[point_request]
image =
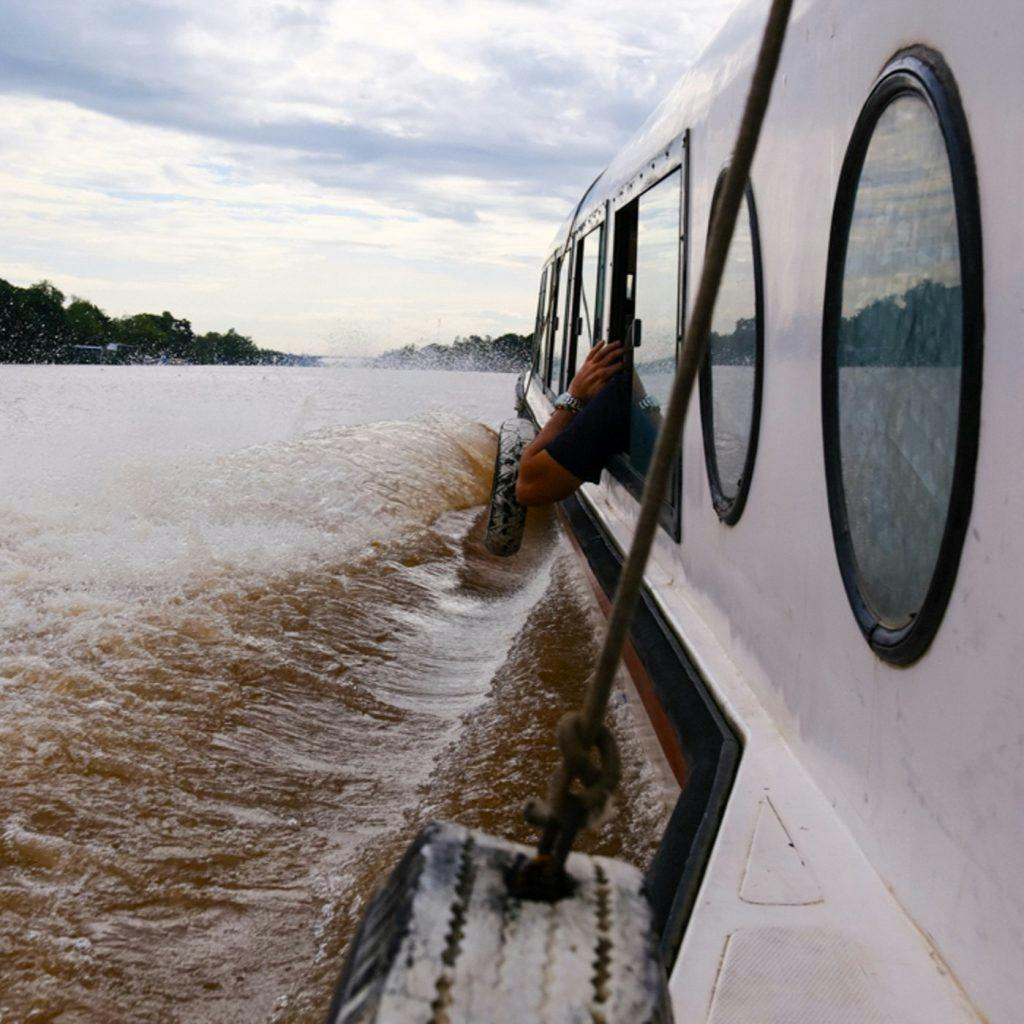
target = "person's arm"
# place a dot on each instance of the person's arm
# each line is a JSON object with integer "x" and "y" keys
{"x": 541, "y": 479}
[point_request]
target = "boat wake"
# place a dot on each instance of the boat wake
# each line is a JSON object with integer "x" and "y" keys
{"x": 224, "y": 718}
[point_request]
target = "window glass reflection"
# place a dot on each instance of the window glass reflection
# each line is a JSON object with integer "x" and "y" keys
{"x": 732, "y": 360}
{"x": 545, "y": 322}
{"x": 899, "y": 353}
{"x": 540, "y": 321}
{"x": 558, "y": 326}
{"x": 589, "y": 305}
{"x": 656, "y": 308}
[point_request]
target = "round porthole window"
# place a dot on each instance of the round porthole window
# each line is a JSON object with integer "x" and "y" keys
{"x": 730, "y": 379}
{"x": 901, "y": 366}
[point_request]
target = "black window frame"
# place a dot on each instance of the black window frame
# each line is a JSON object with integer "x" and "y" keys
{"x": 544, "y": 327}
{"x": 728, "y": 509}
{"x": 539, "y": 325}
{"x": 922, "y": 72}
{"x": 577, "y": 282}
{"x": 557, "y": 320}
{"x": 620, "y": 317}
{"x": 551, "y": 324}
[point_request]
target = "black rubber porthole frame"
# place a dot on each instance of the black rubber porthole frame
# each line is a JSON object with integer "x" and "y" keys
{"x": 728, "y": 509}
{"x": 921, "y": 72}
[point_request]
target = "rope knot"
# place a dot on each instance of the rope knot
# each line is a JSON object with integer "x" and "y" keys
{"x": 579, "y": 795}
{"x": 598, "y": 779}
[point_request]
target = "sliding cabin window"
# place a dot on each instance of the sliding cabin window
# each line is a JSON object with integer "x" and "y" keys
{"x": 544, "y": 322}
{"x": 647, "y": 314}
{"x": 558, "y": 332}
{"x": 901, "y": 370}
{"x": 731, "y": 375}
{"x": 540, "y": 324}
{"x": 588, "y": 297}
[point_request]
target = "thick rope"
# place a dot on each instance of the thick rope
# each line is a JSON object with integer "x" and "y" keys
{"x": 564, "y": 817}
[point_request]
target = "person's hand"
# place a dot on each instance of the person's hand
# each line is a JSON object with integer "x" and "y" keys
{"x": 603, "y": 361}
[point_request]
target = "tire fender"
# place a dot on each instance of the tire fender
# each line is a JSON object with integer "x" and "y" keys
{"x": 506, "y": 518}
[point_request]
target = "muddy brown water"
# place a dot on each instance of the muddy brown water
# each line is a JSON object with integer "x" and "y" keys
{"x": 200, "y": 796}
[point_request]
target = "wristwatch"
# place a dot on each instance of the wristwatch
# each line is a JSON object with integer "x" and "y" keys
{"x": 569, "y": 402}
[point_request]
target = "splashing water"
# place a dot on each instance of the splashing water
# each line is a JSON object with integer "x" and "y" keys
{"x": 235, "y": 681}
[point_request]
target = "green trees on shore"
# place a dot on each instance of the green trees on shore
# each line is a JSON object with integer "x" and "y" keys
{"x": 509, "y": 353}
{"x": 38, "y": 326}
{"x": 31, "y": 320}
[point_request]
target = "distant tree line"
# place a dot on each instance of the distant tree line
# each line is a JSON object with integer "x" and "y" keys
{"x": 508, "y": 353}
{"x": 37, "y": 325}
{"x": 737, "y": 348}
{"x": 921, "y": 327}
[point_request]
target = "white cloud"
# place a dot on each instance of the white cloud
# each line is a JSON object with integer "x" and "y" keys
{"x": 322, "y": 175}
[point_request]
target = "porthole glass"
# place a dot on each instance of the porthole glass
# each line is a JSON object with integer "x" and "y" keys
{"x": 902, "y": 355}
{"x": 730, "y": 383}
{"x": 899, "y": 359}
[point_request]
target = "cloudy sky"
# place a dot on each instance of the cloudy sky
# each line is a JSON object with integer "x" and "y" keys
{"x": 334, "y": 176}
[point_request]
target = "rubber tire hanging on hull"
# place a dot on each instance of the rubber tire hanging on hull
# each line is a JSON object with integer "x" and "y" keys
{"x": 445, "y": 942}
{"x": 507, "y": 518}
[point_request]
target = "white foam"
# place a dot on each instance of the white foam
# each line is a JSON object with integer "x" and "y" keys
{"x": 133, "y": 484}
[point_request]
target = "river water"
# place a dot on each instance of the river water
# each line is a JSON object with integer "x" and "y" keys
{"x": 249, "y": 642}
